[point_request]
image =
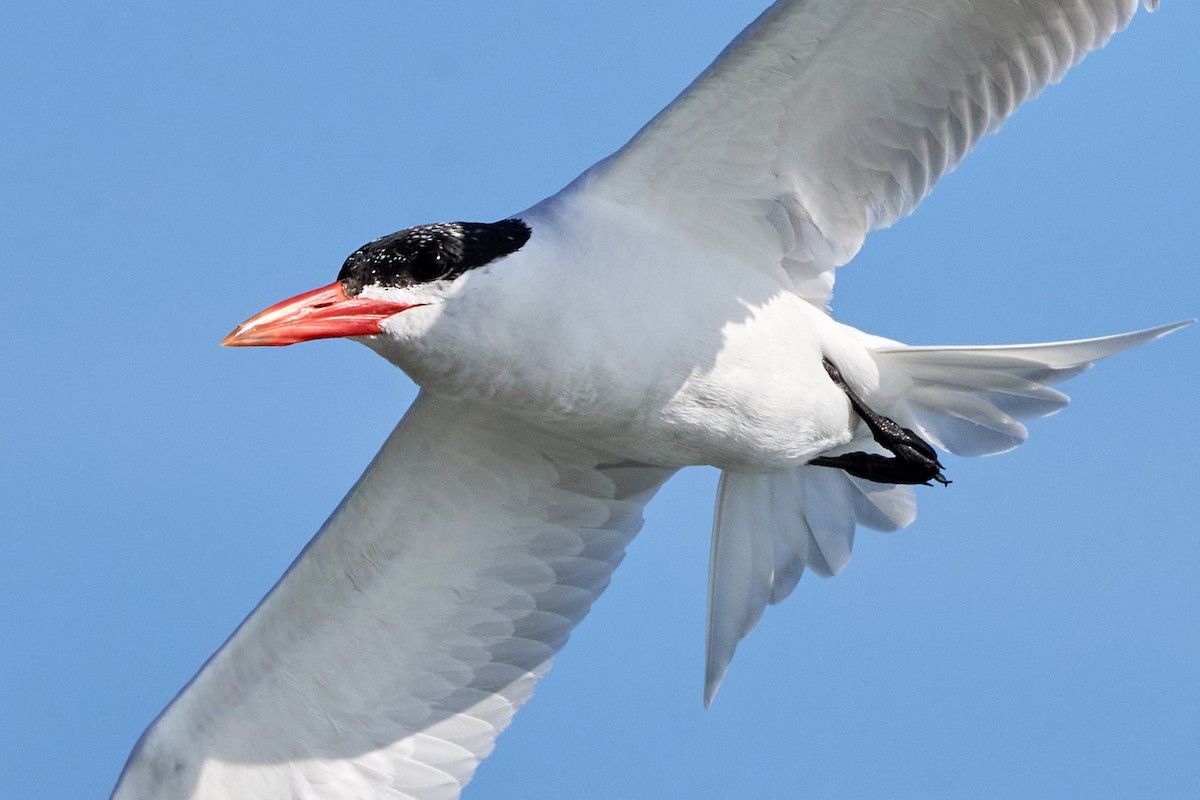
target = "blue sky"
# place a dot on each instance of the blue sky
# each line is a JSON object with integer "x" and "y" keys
{"x": 168, "y": 169}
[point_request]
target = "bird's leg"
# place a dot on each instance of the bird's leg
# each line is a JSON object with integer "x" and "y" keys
{"x": 913, "y": 459}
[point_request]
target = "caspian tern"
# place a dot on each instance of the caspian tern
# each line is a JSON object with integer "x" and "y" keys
{"x": 667, "y": 308}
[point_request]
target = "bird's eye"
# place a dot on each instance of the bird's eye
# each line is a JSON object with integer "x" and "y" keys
{"x": 429, "y": 265}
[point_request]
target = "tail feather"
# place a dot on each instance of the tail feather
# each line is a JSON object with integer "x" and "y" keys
{"x": 770, "y": 527}
{"x": 970, "y": 400}
{"x": 1019, "y": 397}
{"x": 1054, "y": 355}
{"x": 965, "y": 423}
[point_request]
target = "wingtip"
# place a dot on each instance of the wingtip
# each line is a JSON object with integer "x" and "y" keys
{"x": 1160, "y": 331}
{"x": 713, "y": 675}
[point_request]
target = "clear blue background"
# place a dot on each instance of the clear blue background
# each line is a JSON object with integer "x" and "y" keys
{"x": 168, "y": 169}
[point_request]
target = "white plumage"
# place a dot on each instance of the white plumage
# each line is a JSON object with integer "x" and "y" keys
{"x": 669, "y": 308}
{"x": 399, "y": 644}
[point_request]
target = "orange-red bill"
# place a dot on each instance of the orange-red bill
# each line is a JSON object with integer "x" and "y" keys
{"x": 323, "y": 313}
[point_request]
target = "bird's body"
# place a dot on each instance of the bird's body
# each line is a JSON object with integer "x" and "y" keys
{"x": 668, "y": 308}
{"x": 545, "y": 335}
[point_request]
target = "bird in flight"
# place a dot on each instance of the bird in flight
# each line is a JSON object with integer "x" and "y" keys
{"x": 668, "y": 308}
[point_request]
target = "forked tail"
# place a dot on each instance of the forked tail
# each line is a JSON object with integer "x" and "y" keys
{"x": 969, "y": 401}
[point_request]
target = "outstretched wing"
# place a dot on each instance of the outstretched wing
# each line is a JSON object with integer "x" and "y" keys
{"x": 410, "y": 630}
{"x": 826, "y": 119}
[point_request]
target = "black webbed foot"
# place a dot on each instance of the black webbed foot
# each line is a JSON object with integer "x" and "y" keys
{"x": 913, "y": 459}
{"x": 884, "y": 469}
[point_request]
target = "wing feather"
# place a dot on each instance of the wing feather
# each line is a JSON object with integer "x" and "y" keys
{"x": 413, "y": 626}
{"x": 826, "y": 119}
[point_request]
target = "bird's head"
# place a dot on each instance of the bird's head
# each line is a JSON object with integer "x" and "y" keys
{"x": 413, "y": 268}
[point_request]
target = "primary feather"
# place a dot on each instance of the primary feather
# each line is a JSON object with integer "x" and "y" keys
{"x": 827, "y": 119}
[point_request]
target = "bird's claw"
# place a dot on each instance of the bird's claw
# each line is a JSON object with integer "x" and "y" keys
{"x": 913, "y": 460}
